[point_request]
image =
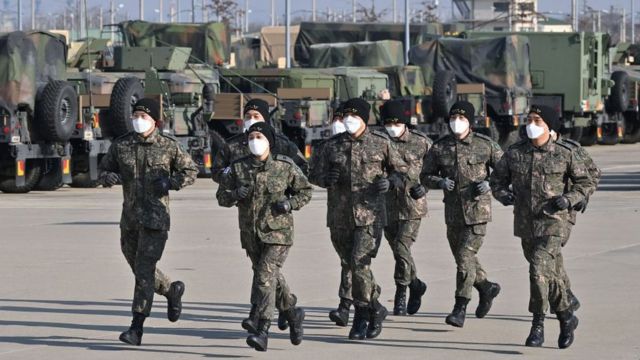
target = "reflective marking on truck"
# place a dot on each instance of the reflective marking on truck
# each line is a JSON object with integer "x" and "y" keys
{"x": 66, "y": 166}
{"x": 20, "y": 165}
{"x": 207, "y": 160}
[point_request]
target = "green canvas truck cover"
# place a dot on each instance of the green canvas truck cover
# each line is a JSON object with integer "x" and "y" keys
{"x": 363, "y": 53}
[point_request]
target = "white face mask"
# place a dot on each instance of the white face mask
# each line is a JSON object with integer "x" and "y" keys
{"x": 534, "y": 131}
{"x": 141, "y": 126}
{"x": 352, "y": 124}
{"x": 395, "y": 131}
{"x": 338, "y": 127}
{"x": 258, "y": 146}
{"x": 249, "y": 122}
{"x": 459, "y": 126}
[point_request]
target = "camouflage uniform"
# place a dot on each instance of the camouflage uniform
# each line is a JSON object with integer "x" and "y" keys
{"x": 317, "y": 171}
{"x": 236, "y": 147}
{"x": 403, "y": 212}
{"x": 265, "y": 235}
{"x": 537, "y": 176}
{"x": 145, "y": 218}
{"x": 466, "y": 162}
{"x": 358, "y": 226}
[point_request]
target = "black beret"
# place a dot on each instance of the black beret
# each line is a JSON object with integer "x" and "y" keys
{"x": 359, "y": 107}
{"x": 548, "y": 115}
{"x": 149, "y": 106}
{"x": 258, "y": 105}
{"x": 394, "y": 111}
{"x": 463, "y": 108}
{"x": 266, "y": 130}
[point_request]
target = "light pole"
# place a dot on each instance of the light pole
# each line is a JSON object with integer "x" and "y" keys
{"x": 287, "y": 40}
{"x": 406, "y": 32}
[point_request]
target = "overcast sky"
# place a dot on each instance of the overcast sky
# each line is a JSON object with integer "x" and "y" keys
{"x": 260, "y": 9}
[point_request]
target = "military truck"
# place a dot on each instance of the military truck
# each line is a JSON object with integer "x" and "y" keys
{"x": 500, "y": 63}
{"x": 625, "y": 93}
{"x": 570, "y": 73}
{"x": 38, "y": 110}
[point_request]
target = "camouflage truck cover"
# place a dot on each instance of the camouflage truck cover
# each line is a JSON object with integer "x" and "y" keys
{"x": 29, "y": 60}
{"x": 500, "y": 63}
{"x": 272, "y": 42}
{"x": 363, "y": 53}
{"x": 324, "y": 33}
{"x": 210, "y": 42}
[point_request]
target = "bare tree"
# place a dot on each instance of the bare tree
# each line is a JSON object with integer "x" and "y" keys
{"x": 225, "y": 10}
{"x": 430, "y": 11}
{"x": 369, "y": 14}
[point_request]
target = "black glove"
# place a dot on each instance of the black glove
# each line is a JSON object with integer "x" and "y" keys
{"x": 339, "y": 159}
{"x": 581, "y": 206}
{"x": 417, "y": 191}
{"x": 109, "y": 179}
{"x": 382, "y": 185}
{"x": 561, "y": 203}
{"x": 507, "y": 199}
{"x": 483, "y": 187}
{"x": 241, "y": 193}
{"x": 282, "y": 207}
{"x": 161, "y": 186}
{"x": 332, "y": 177}
{"x": 447, "y": 184}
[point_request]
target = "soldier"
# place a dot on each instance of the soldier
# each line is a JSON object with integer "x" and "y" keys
{"x": 258, "y": 185}
{"x": 405, "y": 208}
{"x": 317, "y": 173}
{"x": 361, "y": 166}
{"x": 459, "y": 164}
{"x": 256, "y": 110}
{"x": 149, "y": 163}
{"x": 547, "y": 179}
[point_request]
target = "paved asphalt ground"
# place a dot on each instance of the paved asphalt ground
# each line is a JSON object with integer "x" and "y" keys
{"x": 66, "y": 288}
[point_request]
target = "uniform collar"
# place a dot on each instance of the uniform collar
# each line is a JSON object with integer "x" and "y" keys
{"x": 149, "y": 139}
{"x": 467, "y": 140}
{"x": 266, "y": 165}
{"x": 547, "y": 147}
{"x": 405, "y": 135}
{"x": 362, "y": 136}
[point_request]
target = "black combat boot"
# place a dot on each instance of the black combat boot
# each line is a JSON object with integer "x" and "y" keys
{"x": 295, "y": 317}
{"x": 377, "y": 314}
{"x": 574, "y": 304}
{"x": 260, "y": 339}
{"x": 133, "y": 336}
{"x": 400, "y": 301}
{"x": 251, "y": 323}
{"x": 341, "y": 315}
{"x": 359, "y": 325}
{"x": 456, "y": 318}
{"x": 282, "y": 321}
{"x": 568, "y": 324}
{"x": 488, "y": 291}
{"x": 536, "y": 335}
{"x": 416, "y": 289}
{"x": 174, "y": 300}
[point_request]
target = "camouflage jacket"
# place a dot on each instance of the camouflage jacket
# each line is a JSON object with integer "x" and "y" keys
{"x": 354, "y": 201}
{"x": 269, "y": 182}
{"x": 237, "y": 147}
{"x": 466, "y": 162}
{"x": 593, "y": 170}
{"x": 140, "y": 161}
{"x": 413, "y": 147}
{"x": 537, "y": 176}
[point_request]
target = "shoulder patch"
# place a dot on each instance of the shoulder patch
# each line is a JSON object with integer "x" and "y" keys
{"x": 226, "y": 170}
{"x": 284, "y": 158}
{"x": 381, "y": 134}
{"x": 418, "y": 133}
{"x": 482, "y": 136}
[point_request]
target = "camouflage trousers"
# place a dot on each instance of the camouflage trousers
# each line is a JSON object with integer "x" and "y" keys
{"x": 269, "y": 289}
{"x": 361, "y": 243}
{"x": 401, "y": 235}
{"x": 143, "y": 248}
{"x": 547, "y": 287}
{"x": 465, "y": 242}
{"x": 343, "y": 247}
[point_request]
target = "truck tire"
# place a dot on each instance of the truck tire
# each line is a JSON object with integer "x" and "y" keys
{"x": 444, "y": 93}
{"x": 619, "y": 98}
{"x": 631, "y": 127}
{"x": 83, "y": 180}
{"x": 589, "y": 136}
{"x": 56, "y": 111}
{"x": 126, "y": 92}
{"x": 575, "y": 133}
{"x": 51, "y": 178}
{"x": 33, "y": 172}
